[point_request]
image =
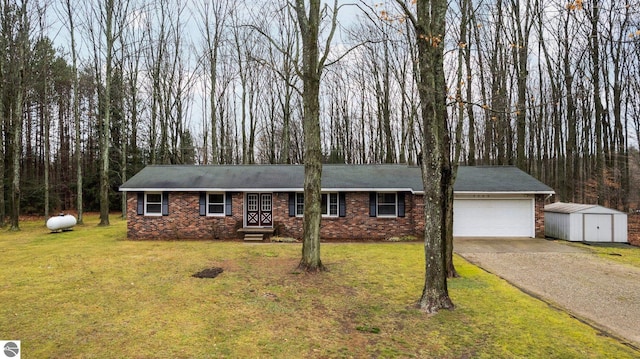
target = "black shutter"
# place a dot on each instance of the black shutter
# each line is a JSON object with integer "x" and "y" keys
{"x": 342, "y": 204}
{"x": 203, "y": 204}
{"x": 140, "y": 203}
{"x": 400, "y": 204}
{"x": 165, "y": 203}
{"x": 227, "y": 204}
{"x": 292, "y": 204}
{"x": 372, "y": 204}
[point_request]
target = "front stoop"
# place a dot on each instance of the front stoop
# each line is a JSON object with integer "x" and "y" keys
{"x": 255, "y": 234}
{"x": 253, "y": 237}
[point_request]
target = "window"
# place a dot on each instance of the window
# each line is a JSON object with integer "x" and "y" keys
{"x": 265, "y": 202}
{"x": 299, "y": 204}
{"x": 329, "y": 206}
{"x": 153, "y": 204}
{"x": 215, "y": 204}
{"x": 387, "y": 205}
{"x": 252, "y": 202}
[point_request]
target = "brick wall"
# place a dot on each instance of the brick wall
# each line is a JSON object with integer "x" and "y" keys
{"x": 356, "y": 225}
{"x": 540, "y": 215}
{"x": 184, "y": 220}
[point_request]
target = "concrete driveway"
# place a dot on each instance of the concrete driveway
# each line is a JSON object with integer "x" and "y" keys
{"x": 600, "y": 292}
{"x": 511, "y": 245}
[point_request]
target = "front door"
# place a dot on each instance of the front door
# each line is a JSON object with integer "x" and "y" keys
{"x": 259, "y": 209}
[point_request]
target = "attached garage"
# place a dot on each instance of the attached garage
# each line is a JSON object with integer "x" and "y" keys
{"x": 494, "y": 217}
{"x": 584, "y": 223}
{"x": 495, "y": 201}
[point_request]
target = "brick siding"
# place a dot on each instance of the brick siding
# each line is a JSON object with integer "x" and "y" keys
{"x": 633, "y": 231}
{"x": 539, "y": 215}
{"x": 185, "y": 222}
{"x": 356, "y": 224}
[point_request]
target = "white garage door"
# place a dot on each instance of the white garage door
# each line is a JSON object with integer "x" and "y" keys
{"x": 493, "y": 217}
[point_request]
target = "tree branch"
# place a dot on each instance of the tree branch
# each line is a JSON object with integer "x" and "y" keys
{"x": 408, "y": 12}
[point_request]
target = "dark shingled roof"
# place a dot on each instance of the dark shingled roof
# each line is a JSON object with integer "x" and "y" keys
{"x": 334, "y": 177}
{"x": 497, "y": 179}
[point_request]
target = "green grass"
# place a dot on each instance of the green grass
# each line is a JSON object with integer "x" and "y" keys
{"x": 621, "y": 253}
{"x": 90, "y": 293}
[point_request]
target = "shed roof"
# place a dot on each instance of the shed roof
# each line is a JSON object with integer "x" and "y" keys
{"x": 563, "y": 207}
{"x": 334, "y": 177}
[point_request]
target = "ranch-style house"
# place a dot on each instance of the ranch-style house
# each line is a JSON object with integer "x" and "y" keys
{"x": 359, "y": 202}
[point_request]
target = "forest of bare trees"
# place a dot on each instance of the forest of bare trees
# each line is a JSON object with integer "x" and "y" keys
{"x": 109, "y": 86}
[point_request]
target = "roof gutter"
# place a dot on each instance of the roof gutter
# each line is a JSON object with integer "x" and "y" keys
{"x": 497, "y": 192}
{"x": 297, "y": 189}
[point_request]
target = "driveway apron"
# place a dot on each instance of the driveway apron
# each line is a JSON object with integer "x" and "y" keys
{"x": 600, "y": 292}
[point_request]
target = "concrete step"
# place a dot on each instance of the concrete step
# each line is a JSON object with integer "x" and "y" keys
{"x": 253, "y": 237}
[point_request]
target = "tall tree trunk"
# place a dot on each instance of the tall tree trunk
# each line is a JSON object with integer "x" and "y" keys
{"x": 389, "y": 144}
{"x": 594, "y": 48}
{"x": 285, "y": 156}
{"x": 572, "y": 133}
{"x": 76, "y": 113}
{"x": 520, "y": 52}
{"x": 17, "y": 115}
{"x": 47, "y": 150}
{"x": 312, "y": 67}
{"x": 124, "y": 140}
{"x": 485, "y": 146}
{"x": 429, "y": 24}
{"x": 106, "y": 119}
{"x": 213, "y": 16}
{"x": 4, "y": 129}
{"x": 3, "y": 126}
{"x": 467, "y": 19}
{"x": 620, "y": 139}
{"x": 16, "y": 150}
{"x": 46, "y": 119}
{"x": 495, "y": 130}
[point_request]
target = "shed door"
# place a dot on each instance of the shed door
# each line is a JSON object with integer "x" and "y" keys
{"x": 598, "y": 227}
{"x": 493, "y": 217}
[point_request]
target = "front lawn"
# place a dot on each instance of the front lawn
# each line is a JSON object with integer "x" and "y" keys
{"x": 90, "y": 293}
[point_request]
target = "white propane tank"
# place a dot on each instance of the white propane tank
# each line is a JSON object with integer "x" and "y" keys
{"x": 61, "y": 222}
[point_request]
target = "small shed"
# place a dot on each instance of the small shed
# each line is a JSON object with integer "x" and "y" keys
{"x": 584, "y": 223}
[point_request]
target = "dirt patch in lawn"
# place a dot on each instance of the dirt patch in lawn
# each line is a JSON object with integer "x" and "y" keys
{"x": 209, "y": 273}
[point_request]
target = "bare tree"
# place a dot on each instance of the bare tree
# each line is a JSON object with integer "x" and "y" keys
{"x": 212, "y": 26}
{"x": 16, "y": 31}
{"x": 309, "y": 19}
{"x": 70, "y": 17}
{"x": 429, "y": 25}
{"x": 45, "y": 113}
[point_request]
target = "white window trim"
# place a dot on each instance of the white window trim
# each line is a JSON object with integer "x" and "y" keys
{"x": 224, "y": 205}
{"x": 296, "y": 204}
{"x": 328, "y": 208}
{"x": 146, "y": 205}
{"x": 378, "y": 205}
{"x": 329, "y": 215}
